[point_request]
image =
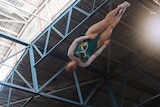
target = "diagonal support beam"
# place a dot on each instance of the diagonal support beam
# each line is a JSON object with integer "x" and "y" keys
{"x": 110, "y": 92}
{"x": 78, "y": 87}
{"x": 14, "y": 39}
{"x": 92, "y": 92}
{"x": 150, "y": 99}
{"x": 51, "y": 79}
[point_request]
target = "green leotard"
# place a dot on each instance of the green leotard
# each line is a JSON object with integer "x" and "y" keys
{"x": 85, "y": 49}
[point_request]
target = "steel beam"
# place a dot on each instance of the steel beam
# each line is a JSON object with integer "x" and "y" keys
{"x": 51, "y": 79}
{"x": 60, "y": 99}
{"x": 92, "y": 92}
{"x": 10, "y": 92}
{"x": 24, "y": 53}
{"x": 68, "y": 21}
{"x": 54, "y": 91}
{"x": 13, "y": 55}
{"x": 28, "y": 100}
{"x": 17, "y": 87}
{"x": 47, "y": 40}
{"x": 124, "y": 89}
{"x": 25, "y": 81}
{"x": 128, "y": 65}
{"x": 11, "y": 85}
{"x": 78, "y": 87}
{"x": 150, "y": 99}
{"x": 14, "y": 39}
{"x": 111, "y": 92}
{"x": 33, "y": 69}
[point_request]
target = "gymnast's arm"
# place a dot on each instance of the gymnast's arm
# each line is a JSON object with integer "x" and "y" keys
{"x": 74, "y": 45}
{"x": 93, "y": 56}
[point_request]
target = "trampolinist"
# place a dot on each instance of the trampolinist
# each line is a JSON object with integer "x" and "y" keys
{"x": 85, "y": 49}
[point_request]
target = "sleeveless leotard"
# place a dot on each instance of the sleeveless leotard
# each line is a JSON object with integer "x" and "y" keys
{"x": 85, "y": 49}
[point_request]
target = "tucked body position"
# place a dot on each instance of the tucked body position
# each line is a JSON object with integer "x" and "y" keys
{"x": 85, "y": 49}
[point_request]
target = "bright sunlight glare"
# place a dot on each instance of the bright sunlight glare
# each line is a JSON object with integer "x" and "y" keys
{"x": 152, "y": 29}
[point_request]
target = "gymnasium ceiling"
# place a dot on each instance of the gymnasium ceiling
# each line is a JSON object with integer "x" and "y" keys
{"x": 130, "y": 62}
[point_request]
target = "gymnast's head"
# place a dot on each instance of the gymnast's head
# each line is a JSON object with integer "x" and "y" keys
{"x": 72, "y": 65}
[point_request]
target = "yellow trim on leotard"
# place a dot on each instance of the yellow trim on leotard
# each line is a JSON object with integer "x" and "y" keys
{"x": 83, "y": 51}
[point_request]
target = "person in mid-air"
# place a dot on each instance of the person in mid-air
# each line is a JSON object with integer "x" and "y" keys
{"x": 85, "y": 49}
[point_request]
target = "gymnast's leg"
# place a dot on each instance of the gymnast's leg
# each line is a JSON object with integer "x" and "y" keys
{"x": 107, "y": 32}
{"x": 99, "y": 27}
